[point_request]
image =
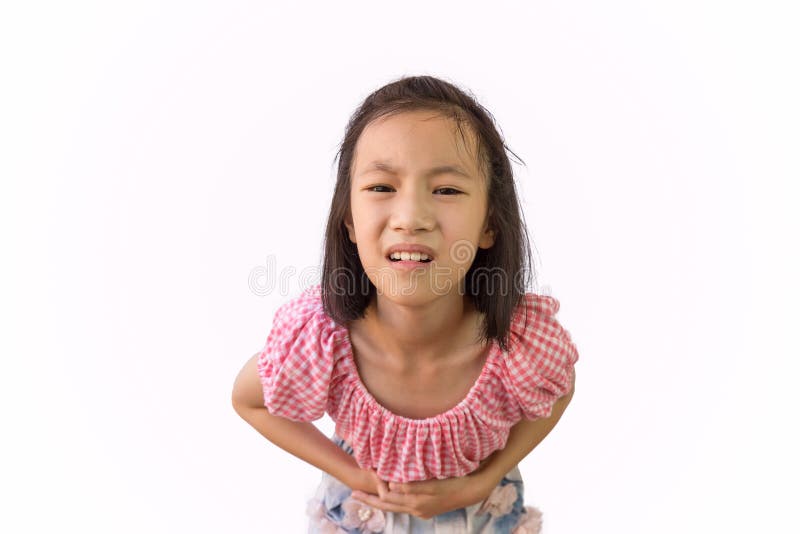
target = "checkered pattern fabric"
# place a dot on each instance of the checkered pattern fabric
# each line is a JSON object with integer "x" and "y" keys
{"x": 307, "y": 368}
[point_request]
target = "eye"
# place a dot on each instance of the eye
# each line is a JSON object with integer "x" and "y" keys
{"x": 447, "y": 191}
{"x": 452, "y": 191}
{"x": 374, "y": 187}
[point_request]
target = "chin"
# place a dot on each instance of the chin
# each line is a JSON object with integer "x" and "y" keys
{"x": 413, "y": 293}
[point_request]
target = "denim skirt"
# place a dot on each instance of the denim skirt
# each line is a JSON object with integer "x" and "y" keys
{"x": 334, "y": 511}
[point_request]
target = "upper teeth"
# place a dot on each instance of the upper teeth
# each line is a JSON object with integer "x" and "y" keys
{"x": 415, "y": 256}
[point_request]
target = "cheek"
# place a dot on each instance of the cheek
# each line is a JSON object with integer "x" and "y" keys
{"x": 367, "y": 220}
{"x": 366, "y": 230}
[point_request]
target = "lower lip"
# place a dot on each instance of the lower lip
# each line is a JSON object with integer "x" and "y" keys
{"x": 409, "y": 265}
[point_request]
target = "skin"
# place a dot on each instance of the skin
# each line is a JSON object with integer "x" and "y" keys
{"x": 423, "y": 499}
{"x": 428, "y": 498}
{"x": 408, "y": 204}
{"x": 396, "y": 200}
{"x": 397, "y": 197}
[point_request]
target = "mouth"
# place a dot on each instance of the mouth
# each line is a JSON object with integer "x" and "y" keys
{"x": 409, "y": 257}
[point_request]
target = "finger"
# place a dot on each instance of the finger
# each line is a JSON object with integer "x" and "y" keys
{"x": 406, "y": 501}
{"x": 383, "y": 489}
{"x": 375, "y": 502}
{"x": 398, "y": 488}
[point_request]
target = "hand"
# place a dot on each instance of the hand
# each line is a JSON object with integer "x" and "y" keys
{"x": 428, "y": 498}
{"x": 367, "y": 480}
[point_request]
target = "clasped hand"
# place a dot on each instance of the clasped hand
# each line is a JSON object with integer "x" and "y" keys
{"x": 426, "y": 498}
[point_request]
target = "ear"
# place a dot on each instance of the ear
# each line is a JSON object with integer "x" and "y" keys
{"x": 487, "y": 239}
{"x": 351, "y": 231}
{"x": 487, "y": 235}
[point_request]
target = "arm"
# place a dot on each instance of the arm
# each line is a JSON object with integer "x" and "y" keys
{"x": 428, "y": 498}
{"x": 522, "y": 439}
{"x": 300, "y": 439}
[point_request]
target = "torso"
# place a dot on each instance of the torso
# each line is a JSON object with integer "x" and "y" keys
{"x": 421, "y": 391}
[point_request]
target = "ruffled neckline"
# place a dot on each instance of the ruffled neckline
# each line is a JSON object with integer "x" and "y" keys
{"x": 462, "y": 406}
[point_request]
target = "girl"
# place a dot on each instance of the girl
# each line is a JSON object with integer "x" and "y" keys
{"x": 440, "y": 372}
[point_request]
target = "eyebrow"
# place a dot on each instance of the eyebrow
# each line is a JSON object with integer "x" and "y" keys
{"x": 441, "y": 169}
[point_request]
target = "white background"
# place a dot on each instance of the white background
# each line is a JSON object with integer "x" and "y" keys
{"x": 153, "y": 154}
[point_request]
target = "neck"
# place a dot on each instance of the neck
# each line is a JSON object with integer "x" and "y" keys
{"x": 425, "y": 333}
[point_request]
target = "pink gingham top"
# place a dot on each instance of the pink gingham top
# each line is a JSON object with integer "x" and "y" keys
{"x": 307, "y": 368}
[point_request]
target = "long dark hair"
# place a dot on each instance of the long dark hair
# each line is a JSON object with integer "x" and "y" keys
{"x": 499, "y": 276}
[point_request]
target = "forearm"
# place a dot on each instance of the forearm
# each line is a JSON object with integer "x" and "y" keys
{"x": 306, "y": 442}
{"x": 522, "y": 439}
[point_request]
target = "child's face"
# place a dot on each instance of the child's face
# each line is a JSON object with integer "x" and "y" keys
{"x": 398, "y": 197}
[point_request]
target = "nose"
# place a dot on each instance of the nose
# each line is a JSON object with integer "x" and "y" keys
{"x": 412, "y": 210}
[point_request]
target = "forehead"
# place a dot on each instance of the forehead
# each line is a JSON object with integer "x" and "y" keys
{"x": 419, "y": 138}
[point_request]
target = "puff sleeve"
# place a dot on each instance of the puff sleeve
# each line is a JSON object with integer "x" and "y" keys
{"x": 539, "y": 366}
{"x": 296, "y": 363}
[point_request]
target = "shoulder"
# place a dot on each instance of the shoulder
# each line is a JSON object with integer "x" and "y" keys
{"x": 307, "y": 305}
{"x": 303, "y": 315}
{"x": 299, "y": 318}
{"x": 534, "y": 317}
{"x": 538, "y": 368}
{"x": 535, "y": 330}
{"x": 296, "y": 362}
{"x": 301, "y": 333}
